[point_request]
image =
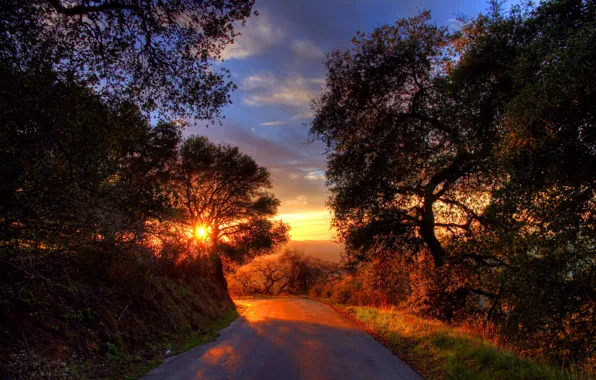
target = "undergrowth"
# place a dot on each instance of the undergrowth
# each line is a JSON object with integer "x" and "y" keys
{"x": 102, "y": 316}
{"x": 439, "y": 351}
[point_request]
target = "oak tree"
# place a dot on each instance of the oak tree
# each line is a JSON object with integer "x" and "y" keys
{"x": 155, "y": 53}
{"x": 227, "y": 194}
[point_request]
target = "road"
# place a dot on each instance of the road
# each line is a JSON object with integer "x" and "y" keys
{"x": 287, "y": 338}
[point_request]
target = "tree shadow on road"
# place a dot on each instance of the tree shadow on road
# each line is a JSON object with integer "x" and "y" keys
{"x": 286, "y": 349}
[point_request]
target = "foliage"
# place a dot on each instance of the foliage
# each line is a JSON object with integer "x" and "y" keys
{"x": 75, "y": 168}
{"x": 154, "y": 53}
{"x": 468, "y": 155}
{"x": 225, "y": 192}
{"x": 406, "y": 141}
{"x": 290, "y": 272}
{"x": 437, "y": 350}
{"x": 97, "y": 274}
{"x": 94, "y": 263}
{"x": 98, "y": 313}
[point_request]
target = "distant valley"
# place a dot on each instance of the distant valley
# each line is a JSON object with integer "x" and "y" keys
{"x": 322, "y": 249}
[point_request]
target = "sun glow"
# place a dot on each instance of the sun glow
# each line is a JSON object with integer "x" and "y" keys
{"x": 313, "y": 225}
{"x": 201, "y": 232}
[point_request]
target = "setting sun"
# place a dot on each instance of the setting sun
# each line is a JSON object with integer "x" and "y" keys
{"x": 200, "y": 232}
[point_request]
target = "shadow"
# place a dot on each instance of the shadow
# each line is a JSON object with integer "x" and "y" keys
{"x": 287, "y": 339}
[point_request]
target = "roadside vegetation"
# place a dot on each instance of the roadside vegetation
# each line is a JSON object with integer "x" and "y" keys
{"x": 439, "y": 351}
{"x": 287, "y": 273}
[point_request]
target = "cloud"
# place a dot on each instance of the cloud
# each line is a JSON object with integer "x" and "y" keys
{"x": 299, "y": 201}
{"x": 306, "y": 115}
{"x": 274, "y": 123}
{"x": 315, "y": 175}
{"x": 305, "y": 49}
{"x": 294, "y": 90}
{"x": 284, "y": 152}
{"x": 257, "y": 35}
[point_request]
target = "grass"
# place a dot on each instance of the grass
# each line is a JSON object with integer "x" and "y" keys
{"x": 439, "y": 351}
{"x": 185, "y": 343}
{"x": 211, "y": 332}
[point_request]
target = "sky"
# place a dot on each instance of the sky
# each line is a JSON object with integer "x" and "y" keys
{"x": 277, "y": 64}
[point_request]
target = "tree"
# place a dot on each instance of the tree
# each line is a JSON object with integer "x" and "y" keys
{"x": 75, "y": 169}
{"x": 290, "y": 272}
{"x": 544, "y": 216}
{"x": 83, "y": 181}
{"x": 155, "y": 53}
{"x": 226, "y": 194}
{"x": 409, "y": 138}
{"x": 475, "y": 147}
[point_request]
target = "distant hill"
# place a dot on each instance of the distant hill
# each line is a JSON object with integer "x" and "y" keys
{"x": 322, "y": 249}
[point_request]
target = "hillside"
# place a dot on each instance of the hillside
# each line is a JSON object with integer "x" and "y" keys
{"x": 65, "y": 319}
{"x": 322, "y": 249}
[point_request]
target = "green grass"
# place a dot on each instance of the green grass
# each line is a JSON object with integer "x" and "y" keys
{"x": 211, "y": 332}
{"x": 147, "y": 368}
{"x": 439, "y": 351}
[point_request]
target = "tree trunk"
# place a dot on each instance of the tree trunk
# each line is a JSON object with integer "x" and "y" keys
{"x": 218, "y": 275}
{"x": 427, "y": 230}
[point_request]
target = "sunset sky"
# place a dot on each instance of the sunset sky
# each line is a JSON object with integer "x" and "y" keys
{"x": 277, "y": 65}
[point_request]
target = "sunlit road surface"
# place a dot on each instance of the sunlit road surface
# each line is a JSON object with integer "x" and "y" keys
{"x": 288, "y": 338}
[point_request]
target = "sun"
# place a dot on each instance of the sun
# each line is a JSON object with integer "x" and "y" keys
{"x": 200, "y": 232}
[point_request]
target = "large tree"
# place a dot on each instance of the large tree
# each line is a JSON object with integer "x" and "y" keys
{"x": 157, "y": 53}
{"x": 226, "y": 195}
{"x": 75, "y": 169}
{"x": 409, "y": 137}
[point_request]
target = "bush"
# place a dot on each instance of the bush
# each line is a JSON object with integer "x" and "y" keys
{"x": 290, "y": 272}
{"x": 343, "y": 292}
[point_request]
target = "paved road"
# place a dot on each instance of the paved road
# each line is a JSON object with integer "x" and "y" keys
{"x": 288, "y": 338}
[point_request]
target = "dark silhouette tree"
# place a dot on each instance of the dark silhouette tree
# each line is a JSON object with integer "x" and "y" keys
{"x": 224, "y": 191}
{"x": 75, "y": 169}
{"x": 476, "y": 147}
{"x": 409, "y": 138}
{"x": 155, "y": 53}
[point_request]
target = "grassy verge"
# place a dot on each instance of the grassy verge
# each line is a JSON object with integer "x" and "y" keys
{"x": 184, "y": 343}
{"x": 211, "y": 332}
{"x": 438, "y": 351}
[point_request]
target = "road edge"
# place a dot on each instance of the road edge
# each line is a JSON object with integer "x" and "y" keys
{"x": 413, "y": 364}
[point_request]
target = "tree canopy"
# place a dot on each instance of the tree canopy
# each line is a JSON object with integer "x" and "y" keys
{"x": 72, "y": 165}
{"x": 154, "y": 53}
{"x": 408, "y": 136}
{"x": 224, "y": 191}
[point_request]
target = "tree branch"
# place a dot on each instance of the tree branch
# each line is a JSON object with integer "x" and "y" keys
{"x": 85, "y": 9}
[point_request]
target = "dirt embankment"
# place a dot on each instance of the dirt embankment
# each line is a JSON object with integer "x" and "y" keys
{"x": 100, "y": 316}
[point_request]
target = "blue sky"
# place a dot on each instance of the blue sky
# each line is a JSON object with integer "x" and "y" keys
{"x": 277, "y": 64}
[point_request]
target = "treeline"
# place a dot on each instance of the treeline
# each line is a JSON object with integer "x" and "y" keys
{"x": 461, "y": 170}
{"x": 287, "y": 273}
{"x": 113, "y": 227}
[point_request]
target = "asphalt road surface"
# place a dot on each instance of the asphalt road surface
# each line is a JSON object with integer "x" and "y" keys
{"x": 287, "y": 338}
